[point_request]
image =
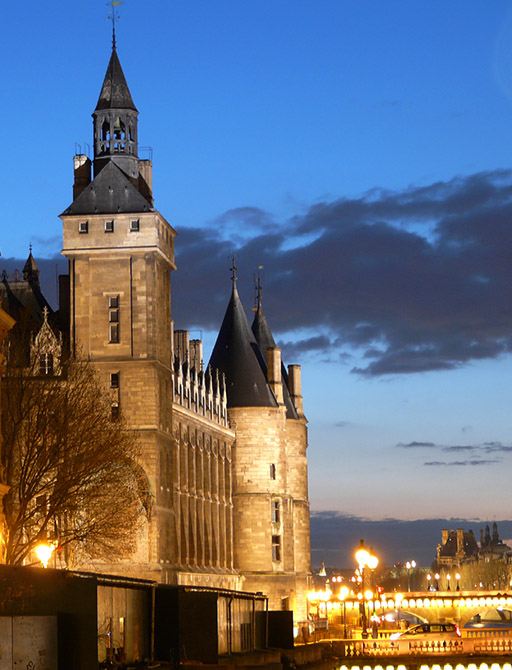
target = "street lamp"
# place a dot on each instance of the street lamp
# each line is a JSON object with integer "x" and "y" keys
{"x": 448, "y": 577}
{"x": 457, "y": 577}
{"x": 429, "y": 578}
{"x": 44, "y": 553}
{"x": 344, "y": 591}
{"x": 365, "y": 559}
{"x": 438, "y": 577}
{"x": 410, "y": 565}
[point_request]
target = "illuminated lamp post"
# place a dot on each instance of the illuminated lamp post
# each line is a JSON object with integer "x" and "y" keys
{"x": 410, "y": 565}
{"x": 457, "y": 577}
{"x": 438, "y": 577}
{"x": 44, "y": 553}
{"x": 448, "y": 577}
{"x": 398, "y": 601}
{"x": 429, "y": 578}
{"x": 344, "y": 591}
{"x": 365, "y": 559}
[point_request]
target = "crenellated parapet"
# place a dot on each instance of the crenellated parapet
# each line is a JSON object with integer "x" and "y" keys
{"x": 201, "y": 391}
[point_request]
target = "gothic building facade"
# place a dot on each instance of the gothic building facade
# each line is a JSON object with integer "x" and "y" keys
{"x": 223, "y": 445}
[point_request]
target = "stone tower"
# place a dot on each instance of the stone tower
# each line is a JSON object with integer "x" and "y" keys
{"x": 121, "y": 254}
{"x": 270, "y": 497}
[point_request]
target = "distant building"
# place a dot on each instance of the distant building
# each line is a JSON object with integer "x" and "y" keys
{"x": 459, "y": 547}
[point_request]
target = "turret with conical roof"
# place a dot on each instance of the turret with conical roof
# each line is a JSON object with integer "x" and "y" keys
{"x": 265, "y": 340}
{"x": 238, "y": 356}
{"x": 115, "y": 122}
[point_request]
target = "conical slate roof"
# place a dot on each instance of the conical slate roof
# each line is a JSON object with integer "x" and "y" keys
{"x": 236, "y": 354}
{"x": 115, "y": 93}
{"x": 265, "y": 340}
{"x": 30, "y": 269}
{"x": 111, "y": 192}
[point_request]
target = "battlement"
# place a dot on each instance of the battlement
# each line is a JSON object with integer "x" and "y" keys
{"x": 203, "y": 392}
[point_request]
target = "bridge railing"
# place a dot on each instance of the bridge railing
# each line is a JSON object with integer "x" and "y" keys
{"x": 501, "y": 645}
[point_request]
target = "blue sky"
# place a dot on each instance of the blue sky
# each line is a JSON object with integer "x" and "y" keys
{"x": 361, "y": 152}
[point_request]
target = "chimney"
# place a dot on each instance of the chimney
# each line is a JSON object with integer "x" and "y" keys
{"x": 181, "y": 345}
{"x": 196, "y": 355}
{"x": 82, "y": 172}
{"x": 146, "y": 179}
{"x": 460, "y": 541}
{"x": 295, "y": 384}
{"x": 274, "y": 373}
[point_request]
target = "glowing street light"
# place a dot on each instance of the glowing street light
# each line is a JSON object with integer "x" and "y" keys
{"x": 410, "y": 565}
{"x": 365, "y": 559}
{"x": 44, "y": 553}
{"x": 344, "y": 591}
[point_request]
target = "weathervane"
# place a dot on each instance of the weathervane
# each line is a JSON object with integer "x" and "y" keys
{"x": 233, "y": 270}
{"x": 257, "y": 288}
{"x": 113, "y": 15}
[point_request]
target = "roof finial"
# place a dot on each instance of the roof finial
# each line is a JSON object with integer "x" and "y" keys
{"x": 257, "y": 287}
{"x": 30, "y": 247}
{"x": 113, "y": 15}
{"x": 234, "y": 269}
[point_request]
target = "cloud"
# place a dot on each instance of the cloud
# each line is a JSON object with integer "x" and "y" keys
{"x": 402, "y": 281}
{"x": 413, "y": 445}
{"x": 474, "y": 462}
{"x": 416, "y": 280}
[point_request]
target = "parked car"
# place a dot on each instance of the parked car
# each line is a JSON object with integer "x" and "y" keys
{"x": 492, "y": 618}
{"x": 396, "y": 618}
{"x": 429, "y": 631}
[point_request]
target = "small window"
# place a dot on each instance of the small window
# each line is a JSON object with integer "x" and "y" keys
{"x": 114, "y": 380}
{"x": 115, "y": 411}
{"x": 46, "y": 364}
{"x": 114, "y": 333}
{"x": 134, "y": 226}
{"x": 109, "y": 226}
{"x": 272, "y": 471}
{"x": 276, "y": 517}
{"x": 113, "y": 315}
{"x": 113, "y": 302}
{"x": 276, "y": 548}
{"x": 83, "y": 227}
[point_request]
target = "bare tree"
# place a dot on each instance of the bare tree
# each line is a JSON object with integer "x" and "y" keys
{"x": 72, "y": 470}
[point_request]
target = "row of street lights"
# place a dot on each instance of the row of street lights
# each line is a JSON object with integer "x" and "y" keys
{"x": 437, "y": 577}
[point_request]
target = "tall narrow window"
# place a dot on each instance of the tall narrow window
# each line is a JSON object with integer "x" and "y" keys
{"x": 114, "y": 380}
{"x": 275, "y": 512}
{"x": 114, "y": 333}
{"x": 113, "y": 318}
{"x": 272, "y": 471}
{"x": 276, "y": 548}
{"x": 46, "y": 364}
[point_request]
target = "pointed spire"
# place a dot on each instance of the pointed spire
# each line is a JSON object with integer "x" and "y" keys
{"x": 237, "y": 355}
{"x": 115, "y": 93}
{"x": 30, "y": 269}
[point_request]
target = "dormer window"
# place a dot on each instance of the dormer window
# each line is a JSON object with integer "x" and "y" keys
{"x": 83, "y": 227}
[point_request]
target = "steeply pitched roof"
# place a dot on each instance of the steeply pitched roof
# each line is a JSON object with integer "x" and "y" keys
{"x": 265, "y": 340}
{"x": 111, "y": 192}
{"x": 30, "y": 269}
{"x": 115, "y": 93}
{"x": 236, "y": 354}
